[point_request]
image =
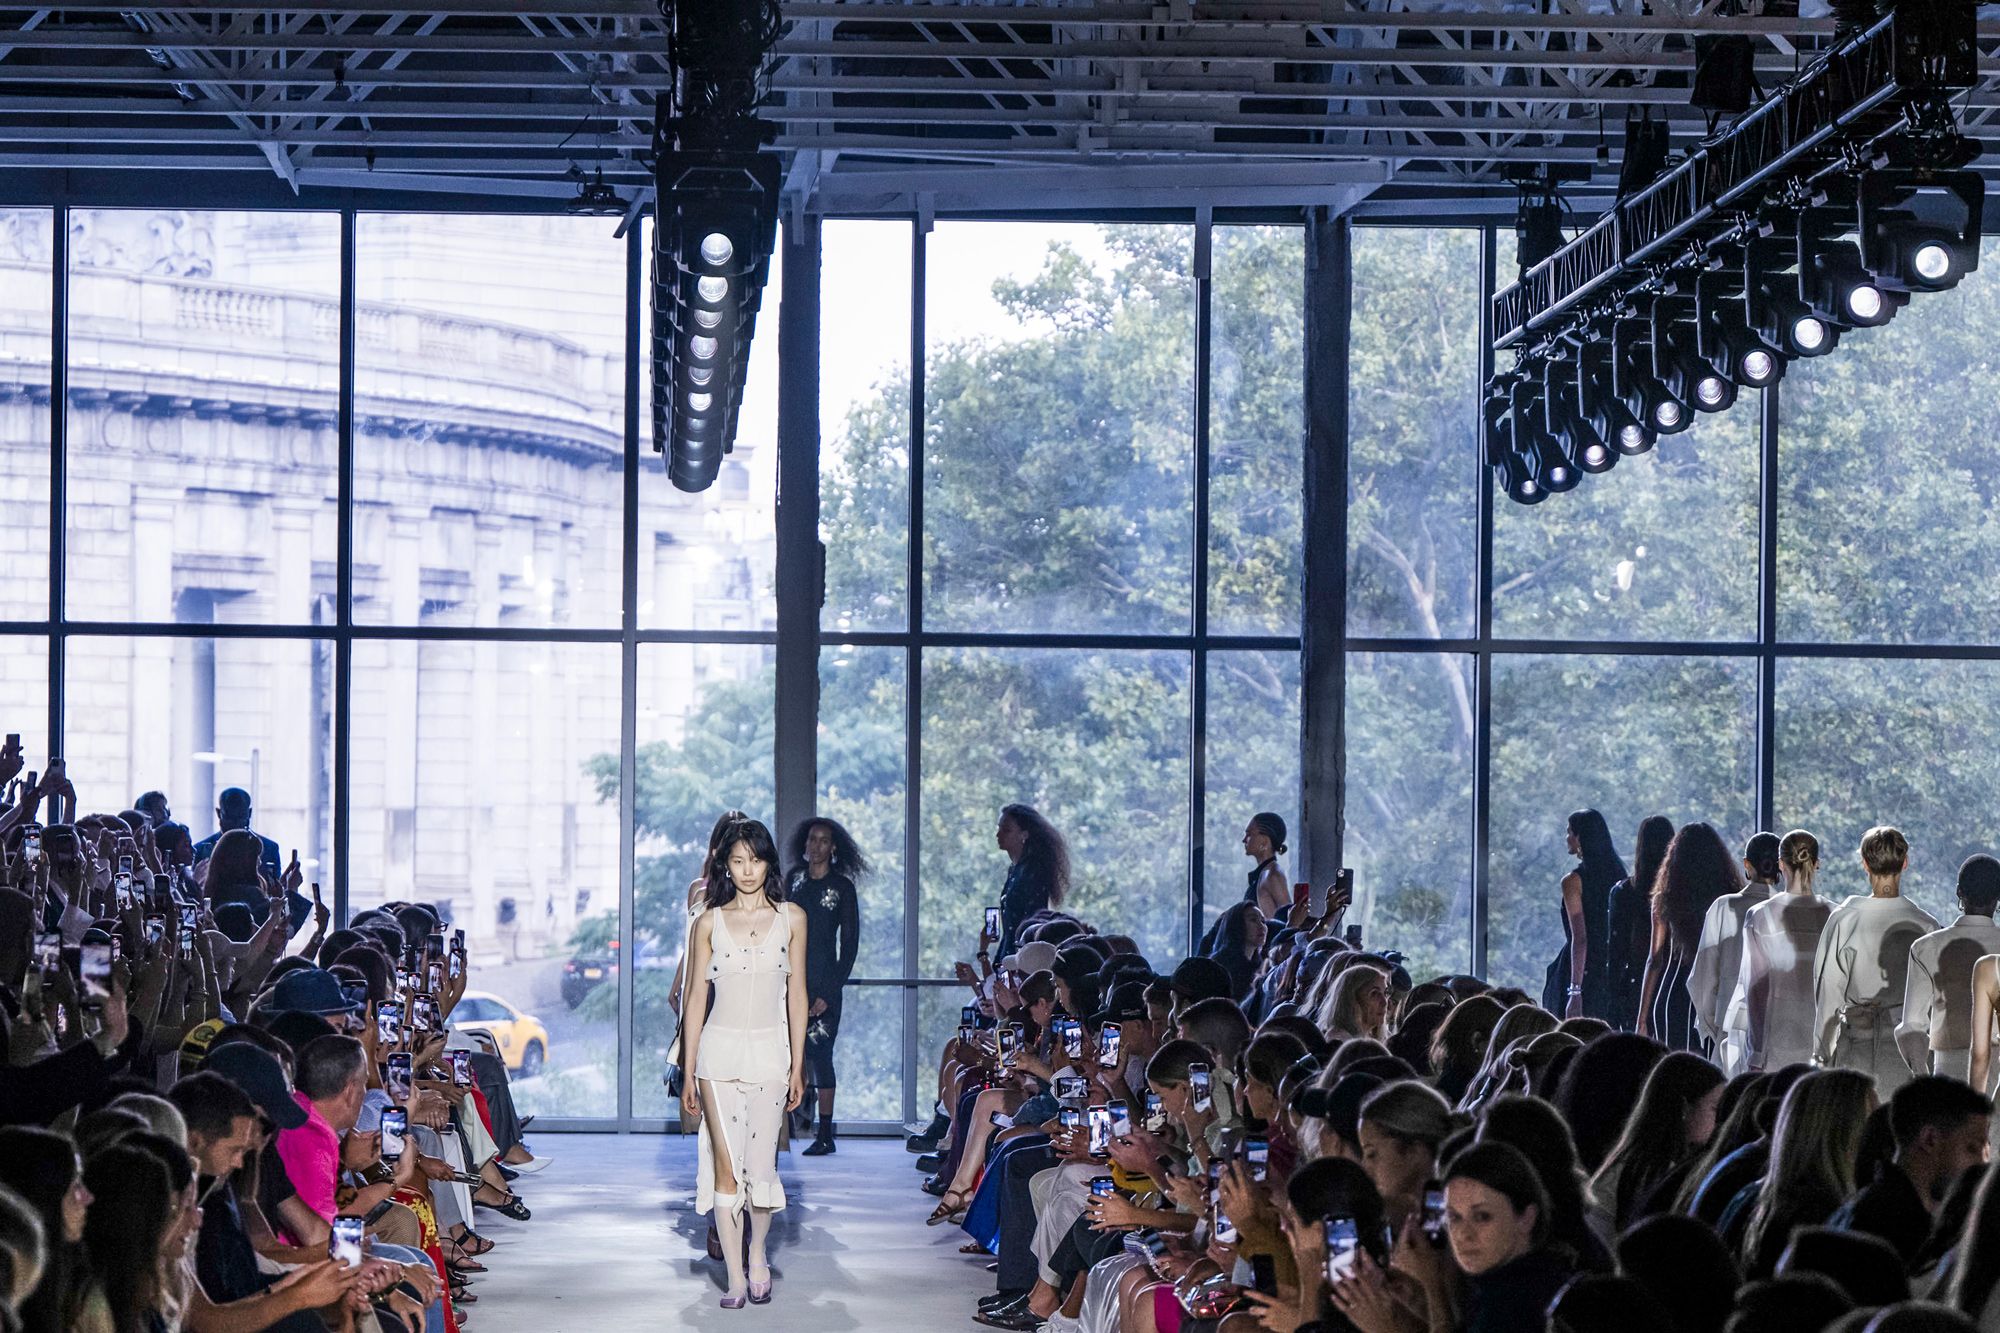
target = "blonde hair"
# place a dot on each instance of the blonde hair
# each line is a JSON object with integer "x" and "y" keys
{"x": 1340, "y": 1015}
{"x": 1813, "y": 1150}
{"x": 1799, "y": 853}
{"x": 1520, "y": 1024}
{"x": 1884, "y": 850}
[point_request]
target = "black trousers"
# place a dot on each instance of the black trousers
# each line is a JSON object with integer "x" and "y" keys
{"x": 1017, "y": 1215}
{"x": 491, "y": 1076}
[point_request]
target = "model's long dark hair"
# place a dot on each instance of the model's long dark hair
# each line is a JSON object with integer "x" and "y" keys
{"x": 1599, "y": 855}
{"x": 721, "y": 886}
{"x": 1046, "y": 854}
{"x": 847, "y": 858}
{"x": 1698, "y": 869}
{"x": 1655, "y": 833}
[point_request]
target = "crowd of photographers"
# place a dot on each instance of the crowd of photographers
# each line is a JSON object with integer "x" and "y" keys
{"x": 1289, "y": 1132}
{"x": 217, "y": 1114}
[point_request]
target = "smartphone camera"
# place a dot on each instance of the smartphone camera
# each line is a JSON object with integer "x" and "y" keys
{"x": 1069, "y": 1118}
{"x": 345, "y": 1246}
{"x": 1198, "y": 1082}
{"x": 395, "y": 1126}
{"x": 1257, "y": 1152}
{"x": 461, "y": 1068}
{"x": 1108, "y": 1040}
{"x": 1156, "y": 1113}
{"x": 1343, "y": 1240}
{"x": 1433, "y": 1214}
{"x": 1121, "y": 1120}
{"x": 1099, "y": 1120}
{"x": 94, "y": 966}
{"x": 993, "y": 923}
{"x": 1102, "y": 1187}
{"x": 401, "y": 1079}
{"x": 389, "y": 1023}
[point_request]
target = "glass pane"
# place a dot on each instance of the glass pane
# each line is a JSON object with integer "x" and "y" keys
{"x": 489, "y": 420}
{"x": 863, "y": 764}
{"x": 485, "y": 780}
{"x": 1257, "y": 430}
{"x": 1887, "y": 528}
{"x": 868, "y": 1055}
{"x": 1253, "y": 765}
{"x": 1627, "y": 736}
{"x": 1413, "y": 409}
{"x": 706, "y": 560}
{"x": 26, "y": 235}
{"x": 24, "y": 683}
{"x": 1663, "y": 546}
{"x": 1906, "y": 743}
{"x": 1058, "y": 451}
{"x": 1410, "y": 725}
{"x": 204, "y": 358}
{"x": 189, "y": 717}
{"x": 1095, "y": 741}
{"x": 705, "y": 746}
{"x": 864, "y": 423}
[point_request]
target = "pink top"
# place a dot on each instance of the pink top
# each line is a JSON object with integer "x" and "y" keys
{"x": 311, "y": 1154}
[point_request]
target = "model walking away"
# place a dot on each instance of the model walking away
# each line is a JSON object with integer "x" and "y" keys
{"x": 746, "y": 1049}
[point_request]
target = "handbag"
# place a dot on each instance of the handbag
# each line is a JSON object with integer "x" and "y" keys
{"x": 672, "y": 1075}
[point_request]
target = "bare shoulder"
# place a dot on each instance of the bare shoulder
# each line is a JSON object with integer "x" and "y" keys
{"x": 794, "y": 913}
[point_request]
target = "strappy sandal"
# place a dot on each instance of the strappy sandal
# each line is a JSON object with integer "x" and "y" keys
{"x": 513, "y": 1208}
{"x": 949, "y": 1204}
{"x": 973, "y": 1247}
{"x": 472, "y": 1242}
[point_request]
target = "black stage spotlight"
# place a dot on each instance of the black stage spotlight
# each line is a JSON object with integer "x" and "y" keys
{"x": 718, "y": 219}
{"x": 1547, "y": 466}
{"x": 1723, "y": 334}
{"x": 1772, "y": 305}
{"x": 1920, "y": 230}
{"x": 1639, "y": 385}
{"x": 1677, "y": 360}
{"x": 1510, "y": 466}
{"x": 1600, "y": 405}
{"x": 1832, "y": 282}
{"x": 1563, "y": 418}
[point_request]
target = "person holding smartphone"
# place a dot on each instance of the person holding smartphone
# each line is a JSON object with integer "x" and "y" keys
{"x": 825, "y": 865}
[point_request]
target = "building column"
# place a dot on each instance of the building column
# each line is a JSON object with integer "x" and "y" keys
{"x": 1323, "y": 666}
{"x": 799, "y": 559}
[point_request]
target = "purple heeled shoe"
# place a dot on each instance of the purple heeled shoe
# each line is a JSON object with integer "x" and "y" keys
{"x": 760, "y": 1292}
{"x": 731, "y": 1302}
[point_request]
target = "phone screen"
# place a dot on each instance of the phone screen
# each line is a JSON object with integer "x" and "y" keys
{"x": 48, "y": 950}
{"x": 1121, "y": 1120}
{"x": 345, "y": 1246}
{"x": 461, "y": 1069}
{"x": 1343, "y": 1238}
{"x": 1073, "y": 1040}
{"x": 395, "y": 1124}
{"x": 1103, "y": 1187}
{"x": 993, "y": 923}
{"x": 94, "y": 965}
{"x": 1072, "y": 1088}
{"x": 457, "y": 964}
{"x": 1434, "y": 1217}
{"x": 1198, "y": 1082}
{"x": 389, "y": 1023}
{"x": 1069, "y": 1118}
{"x": 1108, "y": 1038}
{"x": 31, "y": 844}
{"x": 1099, "y": 1118}
{"x": 1257, "y": 1152}
{"x": 434, "y": 978}
{"x": 969, "y": 1015}
{"x": 1010, "y": 1038}
{"x": 1156, "y": 1114}
{"x": 156, "y": 929}
{"x": 399, "y": 1077}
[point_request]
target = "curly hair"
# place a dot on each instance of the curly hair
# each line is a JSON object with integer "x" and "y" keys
{"x": 847, "y": 858}
{"x": 1046, "y": 851}
{"x": 1698, "y": 870}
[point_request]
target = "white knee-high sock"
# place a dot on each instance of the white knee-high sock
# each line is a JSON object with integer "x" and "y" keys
{"x": 760, "y": 1232}
{"x": 729, "y": 1229}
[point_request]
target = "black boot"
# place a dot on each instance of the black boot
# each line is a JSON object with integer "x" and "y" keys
{"x": 927, "y": 1141}
{"x": 822, "y": 1143}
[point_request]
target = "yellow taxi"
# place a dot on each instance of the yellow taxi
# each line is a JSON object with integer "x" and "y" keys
{"x": 523, "y": 1041}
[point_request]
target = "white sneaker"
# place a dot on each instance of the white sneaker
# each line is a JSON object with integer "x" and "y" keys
{"x": 528, "y": 1168}
{"x": 1060, "y": 1323}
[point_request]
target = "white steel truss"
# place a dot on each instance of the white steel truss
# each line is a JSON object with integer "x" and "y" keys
{"x": 883, "y": 106}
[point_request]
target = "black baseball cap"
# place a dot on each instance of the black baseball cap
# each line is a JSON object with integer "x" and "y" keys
{"x": 1201, "y": 979}
{"x": 257, "y": 1072}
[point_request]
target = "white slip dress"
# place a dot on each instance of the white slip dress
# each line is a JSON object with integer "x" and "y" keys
{"x": 745, "y": 1060}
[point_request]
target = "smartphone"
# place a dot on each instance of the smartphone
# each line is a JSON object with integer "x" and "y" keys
{"x": 993, "y": 923}
{"x": 1224, "y": 1230}
{"x": 1001, "y": 1120}
{"x": 435, "y": 945}
{"x": 94, "y": 966}
{"x": 1353, "y": 936}
{"x": 434, "y": 977}
{"x": 163, "y": 891}
{"x": 1301, "y": 894}
{"x": 1072, "y": 1035}
{"x": 426, "y": 1014}
{"x": 185, "y": 949}
{"x": 1103, "y": 1187}
{"x": 969, "y": 1015}
{"x": 31, "y": 843}
{"x": 1121, "y": 1119}
{"x": 1343, "y": 883}
{"x": 1069, "y": 1117}
{"x": 1010, "y": 1039}
{"x": 1072, "y": 1088}
{"x": 345, "y": 1246}
{"x": 1257, "y": 1152}
{"x": 117, "y": 946}
{"x": 458, "y": 964}
{"x": 458, "y": 941}
{"x": 156, "y": 929}
{"x": 1433, "y": 1214}
{"x": 395, "y": 1124}
{"x": 461, "y": 1068}
{"x": 1198, "y": 1082}
{"x": 389, "y": 1023}
{"x": 1156, "y": 1114}
{"x": 1264, "y": 1274}
{"x": 1099, "y": 1120}
{"x": 964, "y": 1035}
{"x": 123, "y": 881}
{"x": 1108, "y": 1038}
{"x": 1343, "y": 1239}
{"x": 400, "y": 1078}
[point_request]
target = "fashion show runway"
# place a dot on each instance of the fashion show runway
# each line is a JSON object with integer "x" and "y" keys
{"x": 615, "y": 1244}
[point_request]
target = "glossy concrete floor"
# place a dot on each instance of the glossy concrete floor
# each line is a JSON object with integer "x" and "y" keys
{"x": 615, "y": 1244}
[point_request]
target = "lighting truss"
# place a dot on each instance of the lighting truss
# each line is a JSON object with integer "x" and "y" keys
{"x": 1819, "y": 211}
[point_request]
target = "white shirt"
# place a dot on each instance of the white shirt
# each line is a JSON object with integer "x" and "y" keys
{"x": 1780, "y": 940}
{"x": 1715, "y": 983}
{"x": 1858, "y": 981}
{"x": 1937, "y": 995}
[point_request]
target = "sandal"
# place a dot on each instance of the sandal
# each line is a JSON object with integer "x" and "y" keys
{"x": 513, "y": 1208}
{"x": 973, "y": 1247}
{"x": 948, "y": 1204}
{"x": 472, "y": 1242}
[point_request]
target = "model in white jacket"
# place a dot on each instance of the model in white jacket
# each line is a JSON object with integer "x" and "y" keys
{"x": 1935, "y": 1033}
{"x": 1780, "y": 942}
{"x": 1863, "y": 963}
{"x": 1715, "y": 983}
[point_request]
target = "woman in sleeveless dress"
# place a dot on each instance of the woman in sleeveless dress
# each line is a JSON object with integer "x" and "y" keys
{"x": 745, "y": 1050}
{"x": 1699, "y": 869}
{"x": 1578, "y": 982}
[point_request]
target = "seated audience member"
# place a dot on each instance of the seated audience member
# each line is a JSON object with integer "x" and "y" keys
{"x": 1940, "y": 1128}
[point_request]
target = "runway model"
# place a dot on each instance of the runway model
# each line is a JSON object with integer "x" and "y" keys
{"x": 746, "y": 1049}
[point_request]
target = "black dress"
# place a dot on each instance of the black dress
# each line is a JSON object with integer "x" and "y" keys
{"x": 1515, "y": 1297}
{"x": 1597, "y": 1000}
{"x": 1628, "y": 940}
{"x": 1026, "y": 893}
{"x": 833, "y": 933}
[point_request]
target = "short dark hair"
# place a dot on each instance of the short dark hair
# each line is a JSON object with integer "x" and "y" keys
{"x": 327, "y": 1065}
{"x": 1218, "y": 1024}
{"x": 1979, "y": 884}
{"x": 1169, "y": 1065}
{"x": 234, "y": 803}
{"x": 211, "y": 1105}
{"x": 1505, "y": 1170}
{"x": 1932, "y": 1101}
